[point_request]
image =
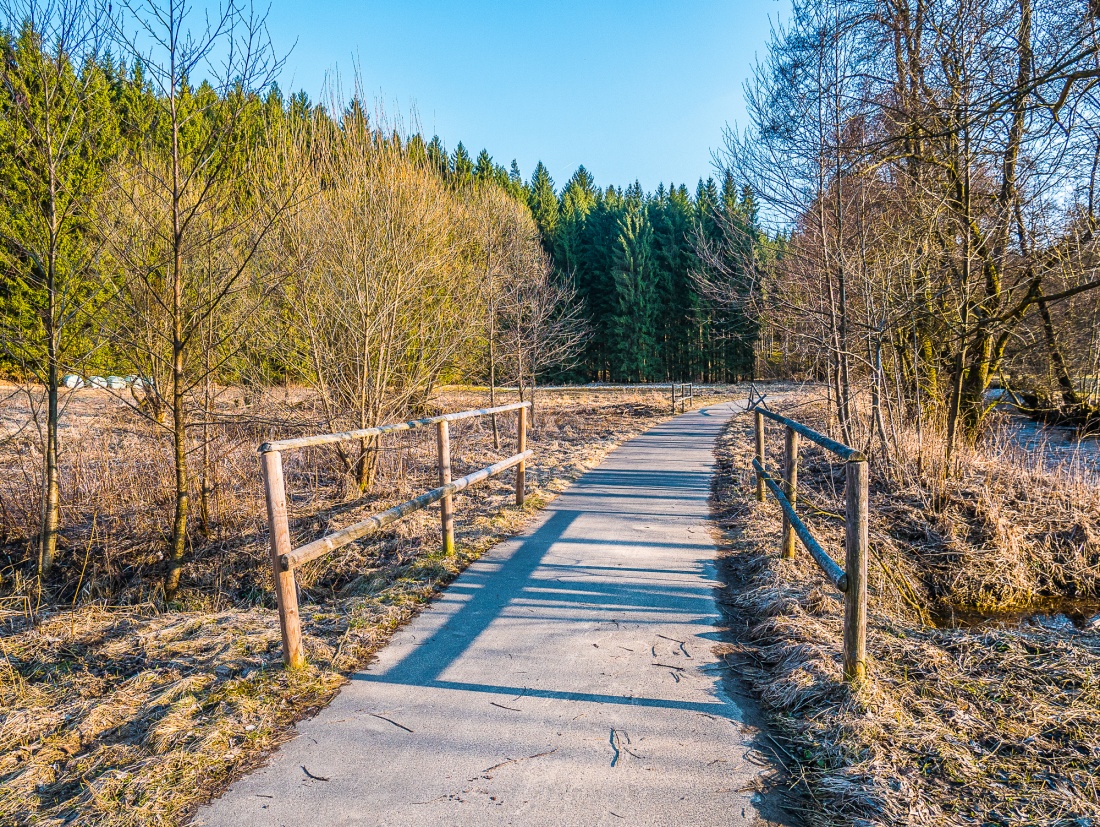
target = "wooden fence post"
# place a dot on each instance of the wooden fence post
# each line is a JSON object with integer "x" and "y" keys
{"x": 521, "y": 469}
{"x": 286, "y": 594}
{"x": 855, "y": 547}
{"x": 674, "y": 397}
{"x": 790, "y": 488}
{"x": 760, "y": 454}
{"x": 446, "y": 505}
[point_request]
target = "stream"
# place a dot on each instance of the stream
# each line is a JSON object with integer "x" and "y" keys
{"x": 1056, "y": 615}
{"x": 1056, "y": 447}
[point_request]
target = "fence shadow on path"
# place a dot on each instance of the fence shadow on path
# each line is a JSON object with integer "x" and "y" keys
{"x": 577, "y": 585}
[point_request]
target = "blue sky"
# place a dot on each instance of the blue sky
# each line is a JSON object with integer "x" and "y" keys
{"x": 632, "y": 89}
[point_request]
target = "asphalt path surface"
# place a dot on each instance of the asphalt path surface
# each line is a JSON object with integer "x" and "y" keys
{"x": 566, "y": 678}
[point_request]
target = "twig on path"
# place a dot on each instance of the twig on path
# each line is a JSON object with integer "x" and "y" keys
{"x": 683, "y": 648}
{"x": 517, "y": 760}
{"x": 668, "y": 666}
{"x": 502, "y": 706}
{"x": 311, "y": 775}
{"x": 390, "y": 721}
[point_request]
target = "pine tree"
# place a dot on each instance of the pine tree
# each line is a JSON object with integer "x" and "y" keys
{"x": 417, "y": 150}
{"x": 437, "y": 157}
{"x": 543, "y": 202}
{"x": 635, "y": 296}
{"x": 484, "y": 171}
{"x": 462, "y": 168}
{"x": 579, "y": 195}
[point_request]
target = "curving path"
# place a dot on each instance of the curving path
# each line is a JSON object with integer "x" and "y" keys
{"x": 566, "y": 678}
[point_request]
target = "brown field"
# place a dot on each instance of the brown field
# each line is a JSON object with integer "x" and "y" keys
{"x": 118, "y": 709}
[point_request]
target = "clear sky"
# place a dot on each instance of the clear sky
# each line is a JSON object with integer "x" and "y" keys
{"x": 632, "y": 89}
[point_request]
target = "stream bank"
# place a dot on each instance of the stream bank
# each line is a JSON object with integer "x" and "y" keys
{"x": 991, "y": 723}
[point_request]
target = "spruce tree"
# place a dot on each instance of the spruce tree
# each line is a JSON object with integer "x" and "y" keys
{"x": 437, "y": 157}
{"x": 484, "y": 171}
{"x": 635, "y": 297}
{"x": 543, "y": 202}
{"x": 462, "y": 168}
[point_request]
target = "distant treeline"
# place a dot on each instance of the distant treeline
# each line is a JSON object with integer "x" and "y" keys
{"x": 634, "y": 260}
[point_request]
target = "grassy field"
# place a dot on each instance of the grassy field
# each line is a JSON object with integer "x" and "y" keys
{"x": 118, "y": 709}
{"x": 971, "y": 716}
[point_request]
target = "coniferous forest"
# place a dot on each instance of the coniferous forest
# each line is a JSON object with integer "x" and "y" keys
{"x": 633, "y": 259}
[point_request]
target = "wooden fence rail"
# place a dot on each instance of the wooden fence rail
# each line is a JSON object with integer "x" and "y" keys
{"x": 285, "y": 558}
{"x": 850, "y": 580}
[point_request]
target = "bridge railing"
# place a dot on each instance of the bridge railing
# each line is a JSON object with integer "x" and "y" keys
{"x": 285, "y": 558}
{"x": 851, "y": 580}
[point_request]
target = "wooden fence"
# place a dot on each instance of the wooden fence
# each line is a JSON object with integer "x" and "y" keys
{"x": 850, "y": 580}
{"x": 285, "y": 558}
{"x": 684, "y": 392}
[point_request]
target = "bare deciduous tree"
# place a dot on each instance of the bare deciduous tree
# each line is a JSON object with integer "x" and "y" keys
{"x": 57, "y": 134}
{"x": 191, "y": 213}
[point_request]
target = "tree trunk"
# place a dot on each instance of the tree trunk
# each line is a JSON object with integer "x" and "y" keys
{"x": 1065, "y": 382}
{"x": 51, "y": 497}
{"x": 534, "y": 387}
{"x": 955, "y": 405}
{"x": 204, "y": 473}
{"x": 493, "y": 379}
{"x": 179, "y": 443}
{"x": 178, "y": 546}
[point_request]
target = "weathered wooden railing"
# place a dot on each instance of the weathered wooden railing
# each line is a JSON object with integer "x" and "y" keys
{"x": 852, "y": 579}
{"x": 683, "y": 392}
{"x": 285, "y": 558}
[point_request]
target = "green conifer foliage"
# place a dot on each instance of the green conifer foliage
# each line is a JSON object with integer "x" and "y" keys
{"x": 58, "y": 131}
{"x": 462, "y": 168}
{"x": 632, "y": 259}
{"x": 633, "y": 321}
{"x": 484, "y": 170}
{"x": 543, "y": 202}
{"x": 437, "y": 157}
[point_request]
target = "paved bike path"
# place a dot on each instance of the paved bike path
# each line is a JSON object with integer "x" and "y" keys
{"x": 566, "y": 678}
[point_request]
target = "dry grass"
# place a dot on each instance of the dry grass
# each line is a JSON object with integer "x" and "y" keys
{"x": 994, "y": 725}
{"x": 116, "y": 709}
